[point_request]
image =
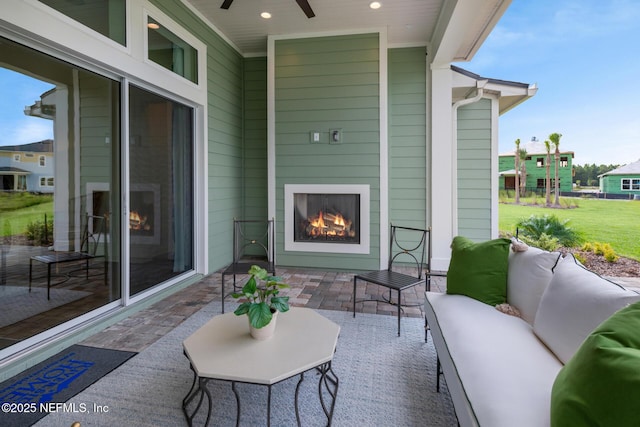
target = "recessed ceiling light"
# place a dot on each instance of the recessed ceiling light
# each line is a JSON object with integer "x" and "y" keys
{"x": 375, "y": 5}
{"x": 153, "y": 25}
{"x": 265, "y": 15}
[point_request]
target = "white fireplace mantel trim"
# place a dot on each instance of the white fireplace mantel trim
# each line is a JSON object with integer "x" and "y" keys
{"x": 356, "y": 248}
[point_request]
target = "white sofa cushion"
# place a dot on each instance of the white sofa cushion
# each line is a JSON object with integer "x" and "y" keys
{"x": 574, "y": 304}
{"x": 530, "y": 273}
{"x": 505, "y": 374}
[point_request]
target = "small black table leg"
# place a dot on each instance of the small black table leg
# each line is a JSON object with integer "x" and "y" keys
{"x": 30, "y": 273}
{"x": 296, "y": 399}
{"x": 399, "y": 309}
{"x": 235, "y": 392}
{"x": 222, "y": 293}
{"x": 48, "y": 281}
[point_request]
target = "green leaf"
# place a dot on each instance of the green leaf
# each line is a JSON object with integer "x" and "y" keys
{"x": 259, "y": 315}
{"x": 280, "y": 303}
{"x": 250, "y": 287}
{"x": 242, "y": 309}
{"x": 258, "y": 272}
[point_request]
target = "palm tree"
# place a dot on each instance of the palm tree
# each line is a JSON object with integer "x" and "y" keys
{"x": 555, "y": 139}
{"x": 547, "y": 180}
{"x": 517, "y": 167}
{"x": 522, "y": 153}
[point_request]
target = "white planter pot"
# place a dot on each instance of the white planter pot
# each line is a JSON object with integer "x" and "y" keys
{"x": 265, "y": 332}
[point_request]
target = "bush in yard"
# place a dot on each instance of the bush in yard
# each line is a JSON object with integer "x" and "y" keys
{"x": 544, "y": 242}
{"x": 535, "y": 227}
{"x": 611, "y": 256}
{"x": 39, "y": 232}
{"x": 602, "y": 249}
{"x": 580, "y": 258}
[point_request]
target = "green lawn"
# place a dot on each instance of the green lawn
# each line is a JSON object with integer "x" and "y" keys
{"x": 19, "y": 209}
{"x": 616, "y": 222}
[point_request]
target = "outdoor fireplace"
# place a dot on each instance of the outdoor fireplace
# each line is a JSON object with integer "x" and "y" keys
{"x": 144, "y": 212}
{"x": 327, "y": 218}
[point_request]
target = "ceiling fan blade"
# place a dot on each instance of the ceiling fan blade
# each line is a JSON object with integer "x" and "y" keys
{"x": 226, "y": 4}
{"x": 304, "y": 5}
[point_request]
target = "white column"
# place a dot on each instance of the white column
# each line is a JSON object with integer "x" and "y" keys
{"x": 442, "y": 167}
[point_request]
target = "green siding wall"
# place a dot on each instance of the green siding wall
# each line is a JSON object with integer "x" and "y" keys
{"x": 255, "y": 139}
{"x": 613, "y": 184}
{"x": 322, "y": 84}
{"x": 474, "y": 170}
{"x": 534, "y": 172}
{"x": 225, "y": 129}
{"x": 408, "y": 167}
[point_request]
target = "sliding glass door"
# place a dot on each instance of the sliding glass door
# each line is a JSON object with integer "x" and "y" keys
{"x": 160, "y": 189}
{"x": 60, "y": 170}
{"x": 64, "y": 220}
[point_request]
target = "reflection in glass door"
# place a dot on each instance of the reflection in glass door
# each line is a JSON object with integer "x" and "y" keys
{"x": 160, "y": 189}
{"x": 59, "y": 169}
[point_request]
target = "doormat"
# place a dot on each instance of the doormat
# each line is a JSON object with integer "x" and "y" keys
{"x": 45, "y": 387}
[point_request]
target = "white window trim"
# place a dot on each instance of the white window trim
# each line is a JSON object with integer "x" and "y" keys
{"x": 17, "y": 158}
{"x": 42, "y": 161}
{"x": 633, "y": 183}
{"x": 167, "y": 78}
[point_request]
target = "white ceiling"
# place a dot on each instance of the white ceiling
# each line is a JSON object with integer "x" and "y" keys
{"x": 408, "y": 22}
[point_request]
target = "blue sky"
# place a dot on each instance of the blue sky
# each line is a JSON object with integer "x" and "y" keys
{"x": 584, "y": 56}
{"x": 19, "y": 91}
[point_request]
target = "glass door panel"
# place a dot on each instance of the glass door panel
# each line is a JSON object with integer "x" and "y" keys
{"x": 161, "y": 189}
{"x": 59, "y": 165}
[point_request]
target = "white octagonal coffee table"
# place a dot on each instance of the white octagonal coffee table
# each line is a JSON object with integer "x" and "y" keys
{"x": 224, "y": 350}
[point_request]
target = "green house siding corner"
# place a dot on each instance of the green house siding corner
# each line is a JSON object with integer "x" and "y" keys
{"x": 474, "y": 170}
{"x": 255, "y": 139}
{"x": 612, "y": 184}
{"x": 408, "y": 166}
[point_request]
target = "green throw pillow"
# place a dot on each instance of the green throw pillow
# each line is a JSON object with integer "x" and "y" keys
{"x": 479, "y": 270}
{"x": 600, "y": 384}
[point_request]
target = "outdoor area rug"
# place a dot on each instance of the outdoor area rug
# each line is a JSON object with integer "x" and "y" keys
{"x": 45, "y": 387}
{"x": 384, "y": 380}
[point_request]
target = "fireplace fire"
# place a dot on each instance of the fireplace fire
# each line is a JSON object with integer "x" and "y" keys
{"x": 335, "y": 225}
{"x": 141, "y": 216}
{"x": 139, "y": 222}
{"x": 327, "y": 218}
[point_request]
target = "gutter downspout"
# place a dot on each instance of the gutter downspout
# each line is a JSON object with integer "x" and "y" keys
{"x": 480, "y": 84}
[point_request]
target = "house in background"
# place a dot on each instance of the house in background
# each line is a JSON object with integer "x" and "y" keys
{"x": 535, "y": 167}
{"x": 190, "y": 115}
{"x": 623, "y": 180}
{"x": 27, "y": 167}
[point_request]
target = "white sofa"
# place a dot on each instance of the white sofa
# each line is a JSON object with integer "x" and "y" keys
{"x": 499, "y": 368}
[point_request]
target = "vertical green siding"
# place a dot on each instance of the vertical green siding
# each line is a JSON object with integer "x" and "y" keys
{"x": 474, "y": 170}
{"x": 95, "y": 125}
{"x": 225, "y": 132}
{"x": 407, "y": 137}
{"x": 321, "y": 84}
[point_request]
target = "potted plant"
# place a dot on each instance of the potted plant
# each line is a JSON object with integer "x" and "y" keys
{"x": 263, "y": 302}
